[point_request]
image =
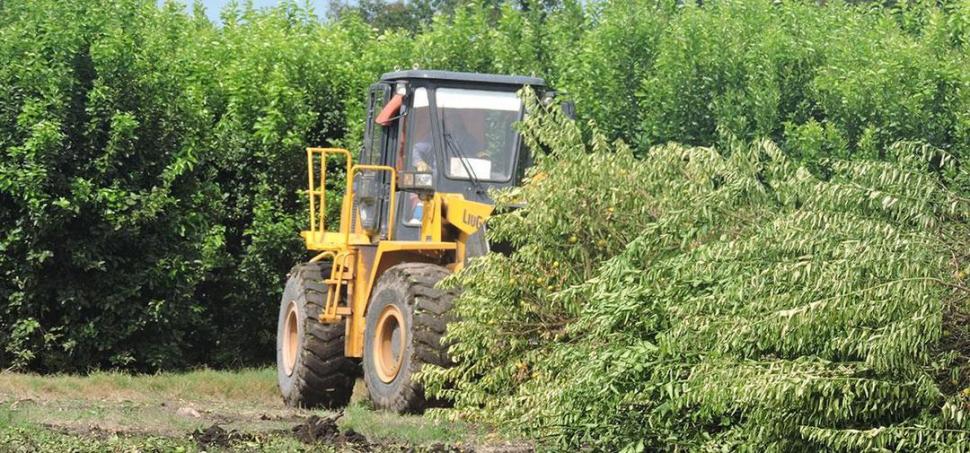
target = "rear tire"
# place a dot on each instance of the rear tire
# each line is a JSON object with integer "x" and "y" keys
{"x": 312, "y": 370}
{"x": 406, "y": 319}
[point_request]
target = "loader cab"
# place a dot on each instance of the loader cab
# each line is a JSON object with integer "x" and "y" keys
{"x": 446, "y": 132}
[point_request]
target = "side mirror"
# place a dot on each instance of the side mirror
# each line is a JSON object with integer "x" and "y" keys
{"x": 390, "y": 111}
{"x": 569, "y": 109}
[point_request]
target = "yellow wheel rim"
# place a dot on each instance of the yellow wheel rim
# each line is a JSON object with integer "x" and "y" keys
{"x": 389, "y": 341}
{"x": 291, "y": 339}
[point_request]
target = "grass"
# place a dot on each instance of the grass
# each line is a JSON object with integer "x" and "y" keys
{"x": 252, "y": 385}
{"x": 24, "y": 437}
{"x": 111, "y": 411}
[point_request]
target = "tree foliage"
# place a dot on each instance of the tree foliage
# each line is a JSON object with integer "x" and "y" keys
{"x": 709, "y": 299}
{"x": 150, "y": 177}
{"x": 412, "y": 15}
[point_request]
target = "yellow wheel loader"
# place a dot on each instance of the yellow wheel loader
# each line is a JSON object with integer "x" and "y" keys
{"x": 413, "y": 211}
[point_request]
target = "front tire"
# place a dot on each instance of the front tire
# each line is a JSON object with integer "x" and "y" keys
{"x": 406, "y": 319}
{"x": 312, "y": 370}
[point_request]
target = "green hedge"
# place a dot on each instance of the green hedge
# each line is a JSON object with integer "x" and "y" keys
{"x": 151, "y": 161}
{"x": 151, "y": 175}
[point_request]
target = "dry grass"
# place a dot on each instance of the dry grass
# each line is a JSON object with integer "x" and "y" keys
{"x": 59, "y": 408}
{"x": 149, "y": 404}
{"x": 245, "y": 386}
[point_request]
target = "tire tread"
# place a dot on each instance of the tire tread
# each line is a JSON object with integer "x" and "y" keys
{"x": 326, "y": 377}
{"x": 430, "y": 307}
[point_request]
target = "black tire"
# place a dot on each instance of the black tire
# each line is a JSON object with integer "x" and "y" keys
{"x": 318, "y": 374}
{"x": 425, "y": 309}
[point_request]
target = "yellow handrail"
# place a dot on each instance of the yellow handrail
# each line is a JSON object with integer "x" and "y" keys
{"x": 318, "y": 210}
{"x": 321, "y": 192}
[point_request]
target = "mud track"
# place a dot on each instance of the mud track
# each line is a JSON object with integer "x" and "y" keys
{"x": 316, "y": 430}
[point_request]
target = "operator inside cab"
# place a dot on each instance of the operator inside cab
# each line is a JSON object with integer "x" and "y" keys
{"x": 478, "y": 138}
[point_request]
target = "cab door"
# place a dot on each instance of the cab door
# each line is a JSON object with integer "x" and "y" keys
{"x": 372, "y": 188}
{"x": 415, "y": 151}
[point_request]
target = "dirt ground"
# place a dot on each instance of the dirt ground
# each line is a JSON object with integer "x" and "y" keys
{"x": 209, "y": 411}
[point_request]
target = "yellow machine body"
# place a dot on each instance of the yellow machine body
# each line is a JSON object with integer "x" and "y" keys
{"x": 448, "y": 221}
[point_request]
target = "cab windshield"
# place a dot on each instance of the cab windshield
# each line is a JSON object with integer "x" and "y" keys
{"x": 479, "y": 136}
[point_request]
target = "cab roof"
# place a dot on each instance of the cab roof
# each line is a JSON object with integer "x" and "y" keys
{"x": 472, "y": 77}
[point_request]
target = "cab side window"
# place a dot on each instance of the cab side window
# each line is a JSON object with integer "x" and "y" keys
{"x": 420, "y": 155}
{"x": 373, "y": 136}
